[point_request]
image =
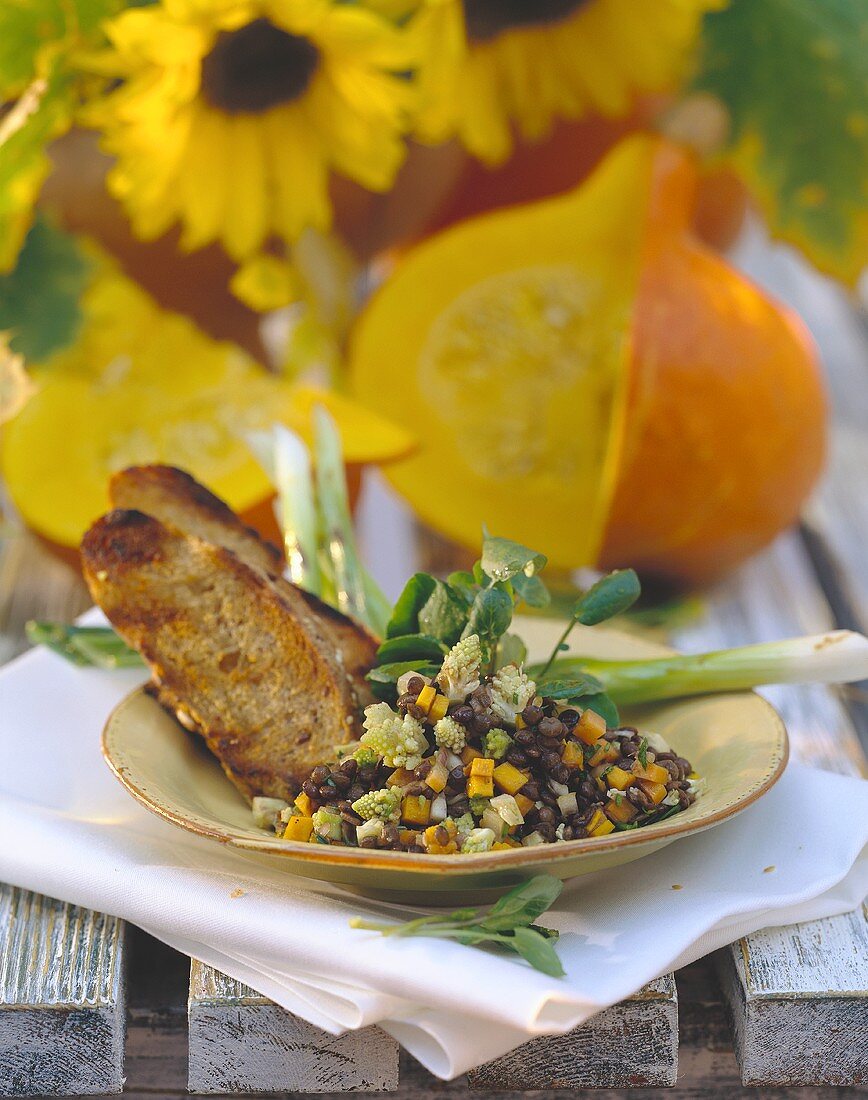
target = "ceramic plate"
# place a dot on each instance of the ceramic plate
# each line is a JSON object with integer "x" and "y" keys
{"x": 736, "y": 741}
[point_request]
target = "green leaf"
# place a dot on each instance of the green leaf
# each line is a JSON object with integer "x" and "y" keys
{"x": 502, "y": 559}
{"x": 610, "y": 596}
{"x": 603, "y": 705}
{"x": 39, "y": 300}
{"x": 792, "y": 75}
{"x": 531, "y": 589}
{"x": 411, "y": 647}
{"x": 574, "y": 688}
{"x": 522, "y": 905}
{"x": 537, "y": 949}
{"x": 384, "y": 678}
{"x": 405, "y": 614}
{"x": 511, "y": 650}
{"x": 490, "y": 616}
{"x": 464, "y": 584}
{"x": 444, "y": 614}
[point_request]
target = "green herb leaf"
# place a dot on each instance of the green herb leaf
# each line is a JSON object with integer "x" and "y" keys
{"x": 464, "y": 584}
{"x": 511, "y": 650}
{"x": 405, "y": 614}
{"x": 411, "y": 647}
{"x": 384, "y": 678}
{"x": 537, "y": 949}
{"x": 610, "y": 596}
{"x": 575, "y": 688}
{"x": 39, "y": 300}
{"x": 525, "y": 903}
{"x": 603, "y": 705}
{"x": 444, "y": 614}
{"x": 531, "y": 590}
{"x": 503, "y": 559}
{"x": 490, "y": 616}
{"x": 642, "y": 754}
{"x": 791, "y": 74}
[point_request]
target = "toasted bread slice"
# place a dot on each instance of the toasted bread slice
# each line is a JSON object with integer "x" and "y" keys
{"x": 238, "y": 658}
{"x": 174, "y": 497}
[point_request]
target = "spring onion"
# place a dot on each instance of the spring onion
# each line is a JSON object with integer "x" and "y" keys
{"x": 95, "y": 646}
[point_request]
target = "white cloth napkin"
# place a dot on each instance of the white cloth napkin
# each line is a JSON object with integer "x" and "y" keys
{"x": 68, "y": 830}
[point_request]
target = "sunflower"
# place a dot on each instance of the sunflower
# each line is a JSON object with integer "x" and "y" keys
{"x": 232, "y": 113}
{"x": 489, "y": 64}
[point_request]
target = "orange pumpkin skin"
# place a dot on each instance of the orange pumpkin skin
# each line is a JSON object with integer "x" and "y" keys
{"x": 726, "y": 422}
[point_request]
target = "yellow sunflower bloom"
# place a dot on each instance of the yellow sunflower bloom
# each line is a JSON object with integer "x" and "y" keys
{"x": 489, "y": 65}
{"x": 232, "y": 113}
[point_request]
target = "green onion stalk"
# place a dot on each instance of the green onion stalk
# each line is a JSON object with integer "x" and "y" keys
{"x": 840, "y": 656}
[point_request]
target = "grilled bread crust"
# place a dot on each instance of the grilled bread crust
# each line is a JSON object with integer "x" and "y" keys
{"x": 174, "y": 497}
{"x": 239, "y": 658}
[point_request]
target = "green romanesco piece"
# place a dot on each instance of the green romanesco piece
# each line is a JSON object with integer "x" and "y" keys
{"x": 385, "y": 805}
{"x": 497, "y": 742}
{"x": 399, "y": 740}
{"x": 450, "y": 734}
{"x": 465, "y": 824}
{"x": 511, "y": 691}
{"x": 327, "y": 824}
{"x": 480, "y": 840}
{"x": 459, "y": 673}
{"x": 479, "y": 804}
{"x": 365, "y": 755}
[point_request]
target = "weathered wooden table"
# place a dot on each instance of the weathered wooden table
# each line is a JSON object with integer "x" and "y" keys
{"x": 90, "y": 1006}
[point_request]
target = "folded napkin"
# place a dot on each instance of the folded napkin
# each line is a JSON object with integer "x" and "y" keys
{"x": 68, "y": 830}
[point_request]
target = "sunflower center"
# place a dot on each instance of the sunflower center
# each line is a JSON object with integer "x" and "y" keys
{"x": 257, "y": 67}
{"x": 485, "y": 19}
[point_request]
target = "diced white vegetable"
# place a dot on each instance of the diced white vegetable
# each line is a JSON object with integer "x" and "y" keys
{"x": 491, "y": 819}
{"x": 559, "y": 831}
{"x": 405, "y": 679}
{"x": 453, "y": 761}
{"x": 532, "y": 839}
{"x": 697, "y": 786}
{"x": 373, "y": 828}
{"x": 507, "y": 807}
{"x": 267, "y": 810}
{"x": 439, "y": 811}
{"x": 671, "y": 799}
{"x": 568, "y": 804}
{"x": 559, "y": 788}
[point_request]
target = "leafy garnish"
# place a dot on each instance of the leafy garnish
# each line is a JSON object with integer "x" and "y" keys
{"x": 642, "y": 754}
{"x": 444, "y": 614}
{"x": 410, "y": 647}
{"x": 509, "y": 924}
{"x": 384, "y": 679}
{"x": 405, "y": 613}
{"x": 503, "y": 559}
{"x": 573, "y": 688}
{"x": 791, "y": 74}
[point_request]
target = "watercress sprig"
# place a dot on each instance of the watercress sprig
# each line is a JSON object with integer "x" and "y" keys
{"x": 509, "y": 923}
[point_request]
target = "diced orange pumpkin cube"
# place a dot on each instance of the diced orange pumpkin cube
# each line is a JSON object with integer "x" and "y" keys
{"x": 468, "y": 754}
{"x": 622, "y": 811}
{"x": 438, "y": 709}
{"x": 483, "y": 766}
{"x": 304, "y": 805}
{"x": 437, "y": 778}
{"x": 619, "y": 779}
{"x": 415, "y": 809}
{"x": 590, "y": 728}
{"x": 426, "y": 697}
{"x": 408, "y": 836}
{"x": 400, "y": 777}
{"x": 519, "y": 722}
{"x": 655, "y": 791}
{"x": 501, "y": 846}
{"x": 508, "y": 778}
{"x": 525, "y": 804}
{"x": 433, "y": 845}
{"x": 602, "y": 827}
{"x": 652, "y": 772}
{"x": 298, "y": 828}
{"x": 604, "y": 752}
{"x": 480, "y": 786}
{"x": 572, "y": 755}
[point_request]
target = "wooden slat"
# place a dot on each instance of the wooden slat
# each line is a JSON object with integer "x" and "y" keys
{"x": 62, "y": 986}
{"x": 240, "y": 1041}
{"x": 61, "y": 998}
{"x": 630, "y": 1045}
{"x": 791, "y": 989}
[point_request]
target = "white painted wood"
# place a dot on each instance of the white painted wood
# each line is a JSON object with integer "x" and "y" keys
{"x": 798, "y": 995}
{"x": 240, "y": 1041}
{"x": 630, "y": 1045}
{"x": 62, "y": 994}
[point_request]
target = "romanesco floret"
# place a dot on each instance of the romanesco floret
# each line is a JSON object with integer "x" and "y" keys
{"x": 459, "y": 674}
{"x": 465, "y": 824}
{"x": 365, "y": 755}
{"x": 450, "y": 734}
{"x": 479, "y": 804}
{"x": 511, "y": 691}
{"x": 497, "y": 742}
{"x": 327, "y": 824}
{"x": 480, "y": 840}
{"x": 385, "y": 805}
{"x": 399, "y": 740}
